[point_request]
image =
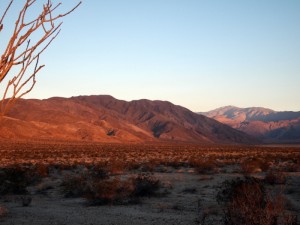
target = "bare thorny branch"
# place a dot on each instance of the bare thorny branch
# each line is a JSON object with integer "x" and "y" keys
{"x": 20, "y": 52}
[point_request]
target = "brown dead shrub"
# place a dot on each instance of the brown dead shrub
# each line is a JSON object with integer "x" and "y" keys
{"x": 247, "y": 202}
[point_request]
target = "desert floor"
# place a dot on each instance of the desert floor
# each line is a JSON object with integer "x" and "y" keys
{"x": 187, "y": 194}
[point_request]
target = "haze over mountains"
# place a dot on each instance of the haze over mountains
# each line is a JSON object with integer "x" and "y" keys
{"x": 106, "y": 119}
{"x": 266, "y": 124}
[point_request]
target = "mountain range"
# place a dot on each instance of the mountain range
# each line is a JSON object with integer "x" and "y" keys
{"x": 103, "y": 118}
{"x": 266, "y": 124}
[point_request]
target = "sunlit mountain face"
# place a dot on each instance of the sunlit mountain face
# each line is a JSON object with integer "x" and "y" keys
{"x": 106, "y": 119}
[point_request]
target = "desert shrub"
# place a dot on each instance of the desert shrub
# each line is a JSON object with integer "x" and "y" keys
{"x": 112, "y": 191}
{"x": 98, "y": 172}
{"x": 83, "y": 182}
{"x": 146, "y": 185}
{"x": 14, "y": 180}
{"x": 204, "y": 166}
{"x": 105, "y": 190}
{"x": 246, "y": 201}
{"x": 75, "y": 185}
{"x": 254, "y": 165}
{"x": 275, "y": 177}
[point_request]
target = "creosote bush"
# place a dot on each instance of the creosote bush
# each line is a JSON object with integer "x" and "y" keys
{"x": 146, "y": 185}
{"x": 204, "y": 166}
{"x": 15, "y": 179}
{"x": 100, "y": 190}
{"x": 110, "y": 191}
{"x": 246, "y": 201}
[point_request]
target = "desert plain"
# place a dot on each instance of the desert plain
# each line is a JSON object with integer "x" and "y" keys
{"x": 59, "y": 182}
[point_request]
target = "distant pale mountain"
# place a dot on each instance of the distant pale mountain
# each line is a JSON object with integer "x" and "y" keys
{"x": 106, "y": 119}
{"x": 266, "y": 124}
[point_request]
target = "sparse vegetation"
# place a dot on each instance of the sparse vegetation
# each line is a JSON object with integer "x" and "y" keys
{"x": 118, "y": 158}
{"x": 113, "y": 174}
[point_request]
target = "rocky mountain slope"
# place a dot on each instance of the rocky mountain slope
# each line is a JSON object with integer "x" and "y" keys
{"x": 106, "y": 119}
{"x": 266, "y": 124}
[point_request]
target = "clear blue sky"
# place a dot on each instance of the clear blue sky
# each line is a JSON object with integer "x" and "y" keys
{"x": 195, "y": 53}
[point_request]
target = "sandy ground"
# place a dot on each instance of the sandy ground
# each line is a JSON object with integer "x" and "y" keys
{"x": 190, "y": 196}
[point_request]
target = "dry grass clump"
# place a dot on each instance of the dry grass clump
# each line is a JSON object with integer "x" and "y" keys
{"x": 246, "y": 201}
